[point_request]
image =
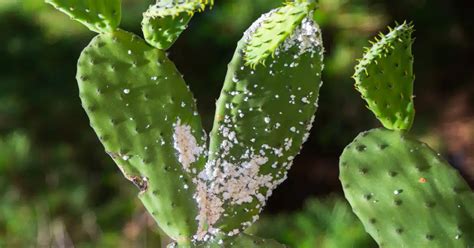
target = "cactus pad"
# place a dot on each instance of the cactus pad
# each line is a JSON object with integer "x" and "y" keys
{"x": 405, "y": 194}
{"x": 263, "y": 117}
{"x": 165, "y": 21}
{"x": 385, "y": 78}
{"x": 269, "y": 34}
{"x": 100, "y": 16}
{"x": 145, "y": 116}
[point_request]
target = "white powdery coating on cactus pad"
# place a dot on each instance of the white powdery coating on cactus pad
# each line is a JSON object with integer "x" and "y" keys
{"x": 240, "y": 184}
{"x": 256, "y": 24}
{"x": 210, "y": 210}
{"x": 236, "y": 180}
{"x": 223, "y": 182}
{"x": 307, "y": 37}
{"x": 186, "y": 145}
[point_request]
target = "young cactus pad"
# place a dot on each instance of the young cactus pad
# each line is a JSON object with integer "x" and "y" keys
{"x": 145, "y": 116}
{"x": 279, "y": 24}
{"x": 98, "y": 15}
{"x": 384, "y": 77}
{"x": 263, "y": 117}
{"x": 405, "y": 194}
{"x": 166, "y": 20}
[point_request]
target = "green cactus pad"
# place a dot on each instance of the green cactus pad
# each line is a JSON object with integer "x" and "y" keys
{"x": 405, "y": 194}
{"x": 263, "y": 117}
{"x": 384, "y": 77}
{"x": 145, "y": 116}
{"x": 276, "y": 28}
{"x": 166, "y": 20}
{"x": 100, "y": 16}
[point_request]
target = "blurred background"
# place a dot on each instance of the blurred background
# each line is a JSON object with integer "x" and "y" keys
{"x": 59, "y": 189}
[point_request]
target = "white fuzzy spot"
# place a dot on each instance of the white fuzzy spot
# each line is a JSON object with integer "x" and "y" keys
{"x": 267, "y": 119}
{"x": 307, "y": 37}
{"x": 186, "y": 145}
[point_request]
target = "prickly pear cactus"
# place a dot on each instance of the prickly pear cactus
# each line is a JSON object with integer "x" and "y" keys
{"x": 146, "y": 118}
{"x": 384, "y": 77}
{"x": 144, "y": 114}
{"x": 166, "y": 20}
{"x": 263, "y": 117}
{"x": 267, "y": 38}
{"x": 98, "y": 15}
{"x": 405, "y": 194}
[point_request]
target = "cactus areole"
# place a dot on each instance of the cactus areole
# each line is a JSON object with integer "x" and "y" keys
{"x": 201, "y": 193}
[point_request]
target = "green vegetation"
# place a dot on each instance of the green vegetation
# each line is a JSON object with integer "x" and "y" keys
{"x": 324, "y": 223}
{"x": 58, "y": 187}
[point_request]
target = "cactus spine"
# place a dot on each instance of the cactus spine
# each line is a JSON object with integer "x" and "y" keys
{"x": 145, "y": 115}
{"x": 405, "y": 194}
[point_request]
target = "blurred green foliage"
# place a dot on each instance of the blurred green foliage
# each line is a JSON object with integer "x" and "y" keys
{"x": 322, "y": 223}
{"x": 58, "y": 187}
{"x": 47, "y": 200}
